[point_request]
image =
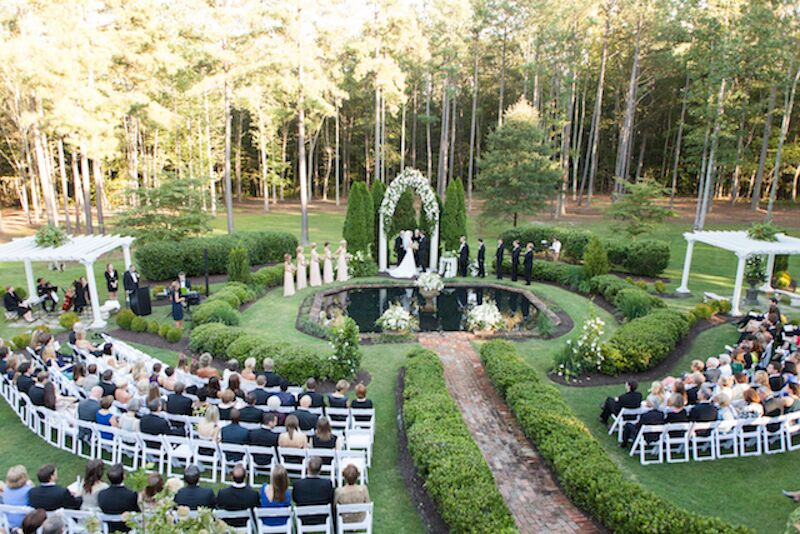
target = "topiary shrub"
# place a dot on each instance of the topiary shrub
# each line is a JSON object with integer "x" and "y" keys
{"x": 607, "y": 285}
{"x": 163, "y": 329}
{"x": 644, "y": 342}
{"x": 139, "y": 324}
{"x": 215, "y": 311}
{"x": 703, "y": 311}
{"x": 242, "y": 347}
{"x": 268, "y": 276}
{"x": 238, "y": 267}
{"x": 242, "y": 291}
{"x": 359, "y": 220}
{"x": 227, "y": 296}
{"x": 345, "y": 361}
{"x": 297, "y": 364}
{"x": 124, "y": 318}
{"x": 660, "y": 287}
{"x": 152, "y": 327}
{"x": 617, "y": 250}
{"x": 573, "y": 241}
{"x": 648, "y": 257}
{"x": 20, "y": 341}
{"x": 68, "y": 320}
{"x": 634, "y": 302}
{"x": 21, "y": 292}
{"x": 174, "y": 335}
{"x": 595, "y": 259}
{"x": 453, "y": 221}
{"x": 213, "y": 338}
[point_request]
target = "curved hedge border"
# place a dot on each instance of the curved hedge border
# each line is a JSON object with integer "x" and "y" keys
{"x": 456, "y": 475}
{"x": 588, "y": 476}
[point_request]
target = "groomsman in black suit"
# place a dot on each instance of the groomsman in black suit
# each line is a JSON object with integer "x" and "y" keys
{"x": 424, "y": 251}
{"x": 528, "y": 263}
{"x": 398, "y": 248}
{"x": 498, "y": 257}
{"x": 481, "y": 259}
{"x": 416, "y": 239}
{"x": 463, "y": 256}
{"x": 515, "y": 252}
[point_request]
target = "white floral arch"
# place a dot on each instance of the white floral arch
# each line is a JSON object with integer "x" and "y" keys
{"x": 414, "y": 179}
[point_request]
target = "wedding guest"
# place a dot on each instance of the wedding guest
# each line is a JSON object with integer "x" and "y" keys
{"x": 33, "y": 521}
{"x": 675, "y": 411}
{"x": 234, "y": 433}
{"x": 306, "y": 419}
{"x": 528, "y": 263}
{"x": 121, "y": 394}
{"x": 630, "y": 399}
{"x": 753, "y": 408}
{"x": 51, "y": 396}
{"x": 273, "y": 378}
{"x": 104, "y": 416}
{"x": 82, "y": 343}
{"x": 208, "y": 428}
{"x": 176, "y": 300}
{"x": 703, "y": 411}
{"x": 206, "y": 371}
{"x": 273, "y": 406}
{"x": 177, "y": 403}
{"x": 91, "y": 486}
{"x": 341, "y": 262}
{"x": 192, "y": 495}
{"x": 15, "y": 493}
{"x": 317, "y": 400}
{"x": 249, "y": 413}
{"x": 361, "y": 402}
{"x": 227, "y": 404}
{"x": 515, "y": 252}
{"x": 248, "y": 373}
{"x": 351, "y": 493}
{"x": 49, "y": 495}
{"x": 725, "y": 412}
{"x": 288, "y": 275}
{"x": 481, "y": 259}
{"x": 338, "y": 399}
{"x": 323, "y": 437}
{"x": 654, "y": 416}
{"x": 286, "y": 398}
{"x": 259, "y": 392}
{"x": 463, "y": 256}
{"x": 555, "y": 248}
{"x": 239, "y": 496}
{"x": 168, "y": 379}
{"x": 499, "y": 254}
{"x": 24, "y": 379}
{"x": 117, "y": 499}
{"x": 13, "y": 303}
{"x": 302, "y": 277}
{"x": 112, "y": 281}
{"x": 293, "y": 437}
{"x": 314, "y": 277}
{"x": 147, "y": 497}
{"x": 129, "y": 421}
{"x": 234, "y": 384}
{"x": 313, "y": 490}
{"x": 276, "y": 494}
{"x": 327, "y": 263}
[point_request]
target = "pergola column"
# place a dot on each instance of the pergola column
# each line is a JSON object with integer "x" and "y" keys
{"x": 126, "y": 254}
{"x": 382, "y": 262}
{"x": 29, "y": 278}
{"x": 97, "y": 322}
{"x": 687, "y": 267}
{"x": 767, "y": 287}
{"x": 434, "y": 263}
{"x": 737, "y": 288}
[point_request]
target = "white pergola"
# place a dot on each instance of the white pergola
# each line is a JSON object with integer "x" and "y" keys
{"x": 743, "y": 246}
{"x": 85, "y": 249}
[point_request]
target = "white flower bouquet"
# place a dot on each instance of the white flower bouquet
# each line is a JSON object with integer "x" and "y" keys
{"x": 485, "y": 317}
{"x": 397, "y": 320}
{"x": 430, "y": 282}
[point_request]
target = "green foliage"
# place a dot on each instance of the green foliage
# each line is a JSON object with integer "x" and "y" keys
{"x": 755, "y": 270}
{"x": 169, "y": 212}
{"x": 162, "y": 260}
{"x": 153, "y": 327}
{"x": 163, "y": 329}
{"x": 68, "y": 319}
{"x": 453, "y": 220}
{"x": 20, "y": 341}
{"x": 359, "y": 221}
{"x": 660, "y": 287}
{"x": 213, "y": 338}
{"x": 573, "y": 241}
{"x": 239, "y": 265}
{"x": 781, "y": 263}
{"x": 405, "y": 215}
{"x": 21, "y": 292}
{"x": 782, "y": 279}
{"x": 518, "y": 171}
{"x": 544, "y": 325}
{"x": 571, "y": 276}
{"x": 163, "y": 518}
{"x": 174, "y": 335}
{"x": 124, "y": 318}
{"x": 361, "y": 265}
{"x": 634, "y": 302}
{"x": 647, "y": 257}
{"x": 268, "y": 276}
{"x": 637, "y": 209}
{"x": 595, "y": 259}
{"x": 642, "y": 343}
{"x": 424, "y": 224}
{"x": 763, "y": 232}
{"x": 227, "y": 296}
{"x": 703, "y": 311}
{"x": 456, "y": 475}
{"x": 50, "y": 236}
{"x": 345, "y": 361}
{"x": 607, "y": 285}
{"x": 588, "y": 477}
{"x": 297, "y": 364}
{"x": 215, "y": 311}
{"x": 616, "y": 250}
{"x": 139, "y": 324}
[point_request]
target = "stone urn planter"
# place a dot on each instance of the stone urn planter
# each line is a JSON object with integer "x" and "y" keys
{"x": 751, "y": 295}
{"x": 429, "y": 294}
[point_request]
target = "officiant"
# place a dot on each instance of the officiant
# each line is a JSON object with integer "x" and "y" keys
{"x": 424, "y": 251}
{"x": 398, "y": 248}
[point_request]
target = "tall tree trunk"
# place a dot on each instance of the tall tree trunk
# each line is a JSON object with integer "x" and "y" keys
{"x": 739, "y": 146}
{"x": 452, "y": 120}
{"x": 701, "y": 184}
{"x": 794, "y": 183}
{"x": 576, "y": 160}
{"x": 598, "y": 109}
{"x": 301, "y": 137}
{"x": 227, "y": 175}
{"x": 566, "y": 138}
{"x": 78, "y": 188}
{"x": 44, "y": 177}
{"x": 640, "y": 161}
{"x": 788, "y": 104}
{"x": 62, "y": 169}
{"x": 22, "y": 191}
{"x": 87, "y": 193}
{"x": 762, "y": 158}
{"x": 212, "y": 188}
{"x": 262, "y": 150}
{"x": 414, "y": 128}
{"x": 37, "y": 209}
{"x": 626, "y": 132}
{"x": 99, "y": 193}
{"x": 201, "y": 165}
{"x": 664, "y": 154}
{"x": 338, "y": 162}
{"x": 472, "y": 123}
{"x": 445, "y": 127}
{"x": 710, "y": 166}
{"x": 678, "y": 139}
{"x": 238, "y": 162}
{"x": 284, "y": 172}
{"x": 429, "y": 88}
{"x": 383, "y": 139}
{"x": 501, "y": 106}
{"x": 403, "y": 137}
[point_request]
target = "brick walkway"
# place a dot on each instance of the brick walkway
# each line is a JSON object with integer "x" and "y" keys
{"x": 537, "y": 503}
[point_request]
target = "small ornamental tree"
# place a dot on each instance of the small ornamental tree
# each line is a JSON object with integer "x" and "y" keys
{"x": 378, "y": 190}
{"x": 595, "y": 259}
{"x": 636, "y": 210}
{"x": 454, "y": 215}
{"x": 345, "y": 361}
{"x": 405, "y": 216}
{"x": 359, "y": 220}
{"x": 238, "y": 265}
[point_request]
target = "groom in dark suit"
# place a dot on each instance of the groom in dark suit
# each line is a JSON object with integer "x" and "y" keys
{"x": 398, "y": 248}
{"x": 463, "y": 257}
{"x": 424, "y": 251}
{"x": 498, "y": 257}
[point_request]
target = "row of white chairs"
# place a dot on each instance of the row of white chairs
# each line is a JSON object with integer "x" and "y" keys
{"x": 297, "y": 519}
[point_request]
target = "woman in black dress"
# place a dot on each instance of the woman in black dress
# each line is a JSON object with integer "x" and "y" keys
{"x": 112, "y": 281}
{"x": 177, "y": 304}
{"x": 81, "y": 294}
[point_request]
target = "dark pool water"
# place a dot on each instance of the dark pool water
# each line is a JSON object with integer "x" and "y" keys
{"x": 445, "y": 312}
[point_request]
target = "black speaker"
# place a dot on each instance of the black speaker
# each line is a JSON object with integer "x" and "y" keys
{"x": 140, "y": 301}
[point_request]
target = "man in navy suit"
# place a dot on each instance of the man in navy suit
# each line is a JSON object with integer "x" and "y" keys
{"x": 177, "y": 404}
{"x": 306, "y": 419}
{"x": 36, "y": 393}
{"x": 117, "y": 499}
{"x": 24, "y": 380}
{"x": 234, "y": 433}
{"x": 313, "y": 490}
{"x": 463, "y": 256}
{"x": 49, "y": 495}
{"x": 238, "y": 497}
{"x": 264, "y": 436}
{"x": 259, "y": 392}
{"x": 155, "y": 425}
{"x": 654, "y": 416}
{"x": 192, "y": 495}
{"x": 317, "y": 400}
{"x": 250, "y": 414}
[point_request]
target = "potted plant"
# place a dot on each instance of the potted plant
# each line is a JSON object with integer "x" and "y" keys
{"x": 430, "y": 284}
{"x": 485, "y": 319}
{"x": 755, "y": 274}
{"x": 396, "y": 320}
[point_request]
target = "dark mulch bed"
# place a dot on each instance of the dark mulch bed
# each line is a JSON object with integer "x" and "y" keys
{"x": 656, "y": 373}
{"x": 152, "y": 340}
{"x": 415, "y": 486}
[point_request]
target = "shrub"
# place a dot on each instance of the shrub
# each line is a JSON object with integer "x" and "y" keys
{"x": 617, "y": 250}
{"x": 361, "y": 265}
{"x": 297, "y": 364}
{"x": 595, "y": 259}
{"x": 405, "y": 216}
{"x": 644, "y": 342}
{"x": 174, "y": 335}
{"x": 20, "y": 341}
{"x": 124, "y": 318}
{"x": 139, "y": 324}
{"x": 238, "y": 267}
{"x": 268, "y": 276}
{"x": 544, "y": 325}
{"x": 456, "y": 475}
{"x": 560, "y": 273}
{"x": 345, "y": 361}
{"x": 454, "y": 217}
{"x": 68, "y": 320}
{"x": 660, "y": 287}
{"x": 585, "y": 354}
{"x": 781, "y": 263}
{"x": 634, "y": 302}
{"x": 227, "y": 296}
{"x": 215, "y": 311}
{"x": 21, "y": 292}
{"x": 573, "y": 241}
{"x": 607, "y": 285}
{"x": 213, "y": 338}
{"x": 725, "y": 306}
{"x": 648, "y": 257}
{"x": 358, "y": 222}
{"x": 782, "y": 279}
{"x": 161, "y": 260}
{"x": 703, "y": 311}
{"x": 153, "y": 327}
{"x": 586, "y": 474}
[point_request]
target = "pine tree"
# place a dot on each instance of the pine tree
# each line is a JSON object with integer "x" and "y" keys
{"x": 595, "y": 258}
{"x": 405, "y": 216}
{"x": 454, "y": 216}
{"x": 359, "y": 219}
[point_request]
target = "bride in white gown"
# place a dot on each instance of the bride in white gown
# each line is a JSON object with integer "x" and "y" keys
{"x": 407, "y": 267}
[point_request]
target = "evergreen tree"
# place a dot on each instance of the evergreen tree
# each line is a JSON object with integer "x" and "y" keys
{"x": 405, "y": 216}
{"x": 637, "y": 210}
{"x": 378, "y": 190}
{"x": 358, "y": 222}
{"x": 239, "y": 265}
{"x": 454, "y": 216}
{"x": 595, "y": 258}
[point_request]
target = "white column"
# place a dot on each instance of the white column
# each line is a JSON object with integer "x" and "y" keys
{"x": 382, "y": 263}
{"x": 687, "y": 266}
{"x": 97, "y": 322}
{"x": 435, "y": 247}
{"x": 767, "y": 287}
{"x": 737, "y": 288}
{"x": 126, "y": 254}
{"x": 29, "y": 279}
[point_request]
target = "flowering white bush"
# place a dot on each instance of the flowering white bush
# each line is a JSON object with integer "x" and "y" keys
{"x": 585, "y": 354}
{"x": 414, "y": 179}
{"x": 346, "y": 358}
{"x": 485, "y": 317}
{"x": 430, "y": 281}
{"x": 396, "y": 319}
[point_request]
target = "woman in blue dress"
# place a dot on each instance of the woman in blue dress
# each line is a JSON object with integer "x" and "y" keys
{"x": 104, "y": 417}
{"x": 276, "y": 494}
{"x": 177, "y": 304}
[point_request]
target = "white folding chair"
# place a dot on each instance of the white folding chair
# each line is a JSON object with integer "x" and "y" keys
{"x": 207, "y": 459}
{"x": 274, "y": 513}
{"x": 328, "y": 457}
{"x": 247, "y": 515}
{"x": 355, "y": 458}
{"x": 7, "y": 509}
{"x": 648, "y": 443}
{"x": 749, "y": 433}
{"x": 676, "y": 442}
{"x": 129, "y": 445}
{"x": 361, "y": 440}
{"x": 791, "y": 431}
{"x": 105, "y": 519}
{"x": 702, "y": 439}
{"x": 339, "y": 418}
{"x": 365, "y": 525}
{"x": 363, "y": 418}
{"x": 179, "y": 452}
{"x": 153, "y": 451}
{"x": 306, "y": 519}
{"x": 75, "y": 520}
{"x": 230, "y": 455}
{"x": 773, "y": 433}
{"x": 262, "y": 460}
{"x": 625, "y": 415}
{"x": 294, "y": 460}
{"x": 725, "y": 439}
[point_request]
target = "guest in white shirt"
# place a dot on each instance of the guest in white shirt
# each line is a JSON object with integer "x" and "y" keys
{"x": 725, "y": 365}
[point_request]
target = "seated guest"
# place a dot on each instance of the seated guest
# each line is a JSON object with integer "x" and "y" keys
{"x": 351, "y": 493}
{"x": 313, "y": 490}
{"x": 249, "y": 373}
{"x": 260, "y": 393}
{"x": 228, "y": 398}
{"x": 155, "y": 425}
{"x": 249, "y": 413}
{"x": 192, "y": 495}
{"x": 78, "y": 374}
{"x": 712, "y": 372}
{"x": 726, "y": 412}
{"x": 117, "y": 499}
{"x": 741, "y": 385}
{"x": 234, "y": 384}
{"x": 753, "y": 407}
{"x": 653, "y": 416}
{"x": 361, "y": 402}
{"x": 773, "y": 404}
{"x": 630, "y": 399}
{"x": 92, "y": 485}
{"x": 87, "y": 410}
{"x": 276, "y": 494}
{"x": 657, "y": 389}
{"x": 24, "y": 380}
{"x": 129, "y": 421}
{"x": 274, "y": 404}
{"x": 208, "y": 428}
{"x": 703, "y": 411}
{"x": 675, "y": 411}
{"x": 177, "y": 403}
{"x": 107, "y": 383}
{"x": 104, "y": 416}
{"x": 33, "y": 521}
{"x": 317, "y": 400}
{"x": 205, "y": 370}
{"x": 15, "y": 304}
{"x": 49, "y": 495}
{"x": 307, "y": 419}
{"x": 36, "y": 393}
{"x": 792, "y": 399}
{"x": 84, "y": 344}
{"x": 51, "y": 396}
{"x": 234, "y": 432}
{"x": 273, "y": 378}
{"x": 697, "y": 366}
{"x": 725, "y": 385}
{"x": 54, "y": 524}
{"x": 121, "y": 394}
{"x": 265, "y": 436}
{"x": 293, "y": 437}
{"x": 693, "y": 383}
{"x": 338, "y": 399}
{"x": 91, "y": 380}
{"x": 237, "y": 497}
{"x": 147, "y": 497}
{"x": 73, "y": 334}
{"x": 155, "y": 376}
{"x": 287, "y": 399}
{"x": 18, "y": 485}
{"x": 725, "y": 368}
{"x": 212, "y": 390}
{"x": 323, "y": 437}
{"x": 168, "y": 379}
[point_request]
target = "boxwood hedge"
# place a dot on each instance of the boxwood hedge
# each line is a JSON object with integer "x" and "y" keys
{"x": 456, "y": 475}
{"x": 642, "y": 343}
{"x": 588, "y": 476}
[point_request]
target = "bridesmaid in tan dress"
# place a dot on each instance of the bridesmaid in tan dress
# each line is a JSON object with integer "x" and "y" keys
{"x": 302, "y": 281}
{"x": 315, "y": 280}
{"x": 327, "y": 264}
{"x": 288, "y": 276}
{"x": 341, "y": 261}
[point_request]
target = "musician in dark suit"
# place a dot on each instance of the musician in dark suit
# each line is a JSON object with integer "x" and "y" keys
{"x": 117, "y": 499}
{"x": 398, "y": 248}
{"x": 193, "y": 496}
{"x": 130, "y": 282}
{"x": 184, "y": 282}
{"x": 463, "y": 256}
{"x": 313, "y": 490}
{"x": 306, "y": 419}
{"x": 424, "y": 251}
{"x": 528, "y": 263}
{"x": 515, "y": 252}
{"x": 46, "y": 289}
{"x": 654, "y": 416}
{"x": 630, "y": 399}
{"x": 481, "y": 259}
{"x": 13, "y": 303}
{"x": 498, "y": 258}
{"x": 238, "y": 497}
{"x": 177, "y": 403}
{"x": 264, "y": 436}
{"x": 249, "y": 413}
{"x": 49, "y": 495}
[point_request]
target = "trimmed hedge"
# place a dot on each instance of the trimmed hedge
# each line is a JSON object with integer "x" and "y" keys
{"x": 215, "y": 311}
{"x": 267, "y": 277}
{"x": 647, "y": 257}
{"x": 586, "y": 473}
{"x": 161, "y": 260}
{"x": 642, "y": 343}
{"x": 634, "y": 302}
{"x": 456, "y": 475}
{"x": 573, "y": 242}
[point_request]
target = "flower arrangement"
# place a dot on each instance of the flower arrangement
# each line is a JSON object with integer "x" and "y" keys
{"x": 50, "y": 236}
{"x": 397, "y": 320}
{"x": 485, "y": 317}
{"x": 585, "y": 353}
{"x": 755, "y": 271}
{"x": 414, "y": 179}
{"x": 430, "y": 282}
{"x": 763, "y": 232}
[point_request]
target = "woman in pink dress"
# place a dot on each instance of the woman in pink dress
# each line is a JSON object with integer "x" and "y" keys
{"x": 341, "y": 261}
{"x": 327, "y": 264}
{"x": 302, "y": 280}
{"x": 315, "y": 280}
{"x": 288, "y": 276}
